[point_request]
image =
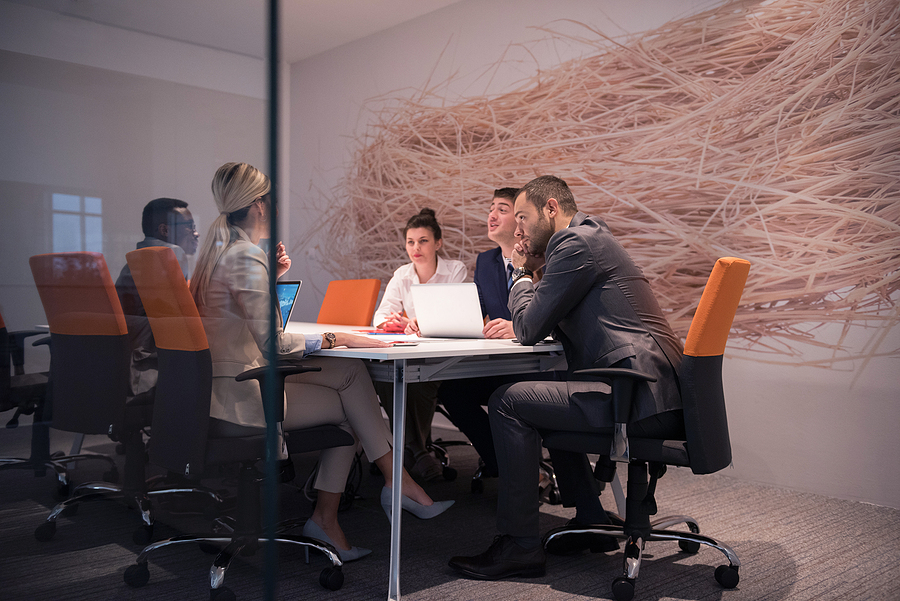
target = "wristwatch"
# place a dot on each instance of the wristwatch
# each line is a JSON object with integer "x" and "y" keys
{"x": 330, "y": 338}
{"x": 521, "y": 272}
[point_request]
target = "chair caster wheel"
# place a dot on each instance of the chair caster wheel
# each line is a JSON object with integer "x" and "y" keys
{"x": 623, "y": 589}
{"x": 689, "y": 546}
{"x": 449, "y": 474}
{"x": 727, "y": 576}
{"x": 143, "y": 535}
{"x": 477, "y": 486}
{"x": 221, "y": 594}
{"x": 112, "y": 476}
{"x": 45, "y": 531}
{"x": 137, "y": 575}
{"x": 331, "y": 578}
{"x": 553, "y": 497}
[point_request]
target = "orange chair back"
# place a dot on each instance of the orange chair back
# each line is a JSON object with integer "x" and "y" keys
{"x": 78, "y": 294}
{"x": 349, "y": 302}
{"x": 715, "y": 313}
{"x": 167, "y": 300}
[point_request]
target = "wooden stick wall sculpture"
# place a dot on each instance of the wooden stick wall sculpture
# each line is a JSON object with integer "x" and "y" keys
{"x": 769, "y": 131}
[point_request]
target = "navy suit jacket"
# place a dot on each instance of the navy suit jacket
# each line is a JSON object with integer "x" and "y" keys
{"x": 491, "y": 278}
{"x": 598, "y": 303}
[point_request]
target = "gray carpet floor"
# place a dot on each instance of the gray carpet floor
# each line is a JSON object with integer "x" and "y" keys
{"x": 791, "y": 545}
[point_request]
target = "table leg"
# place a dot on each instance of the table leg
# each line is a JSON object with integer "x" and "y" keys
{"x": 397, "y": 481}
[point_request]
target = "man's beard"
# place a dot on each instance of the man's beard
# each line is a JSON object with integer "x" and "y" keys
{"x": 537, "y": 242}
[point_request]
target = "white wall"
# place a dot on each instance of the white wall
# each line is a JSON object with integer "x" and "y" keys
{"x": 94, "y": 110}
{"x": 805, "y": 428}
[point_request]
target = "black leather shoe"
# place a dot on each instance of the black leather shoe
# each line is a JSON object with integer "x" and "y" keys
{"x": 504, "y": 558}
{"x": 570, "y": 544}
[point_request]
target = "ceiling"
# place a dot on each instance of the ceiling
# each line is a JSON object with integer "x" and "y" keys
{"x": 308, "y": 27}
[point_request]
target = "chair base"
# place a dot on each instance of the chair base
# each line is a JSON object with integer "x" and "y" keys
{"x": 623, "y": 586}
{"x": 58, "y": 463}
{"x": 240, "y": 533}
{"x": 94, "y": 491}
{"x": 332, "y": 577}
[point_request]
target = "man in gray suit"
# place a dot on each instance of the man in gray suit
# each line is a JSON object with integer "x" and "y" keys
{"x": 597, "y": 302}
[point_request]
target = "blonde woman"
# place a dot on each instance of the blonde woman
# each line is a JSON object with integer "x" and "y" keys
{"x": 231, "y": 288}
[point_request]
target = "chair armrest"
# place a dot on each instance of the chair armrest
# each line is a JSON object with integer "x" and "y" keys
{"x": 45, "y": 341}
{"x": 283, "y": 369}
{"x": 17, "y": 348}
{"x": 622, "y": 381}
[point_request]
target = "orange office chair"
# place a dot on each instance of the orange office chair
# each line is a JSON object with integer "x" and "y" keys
{"x": 349, "y": 302}
{"x": 89, "y": 371}
{"x": 705, "y": 448}
{"x": 186, "y": 438}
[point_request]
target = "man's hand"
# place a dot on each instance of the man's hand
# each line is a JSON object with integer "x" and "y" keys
{"x": 498, "y": 328}
{"x": 282, "y": 260}
{"x": 521, "y": 258}
{"x": 354, "y": 341}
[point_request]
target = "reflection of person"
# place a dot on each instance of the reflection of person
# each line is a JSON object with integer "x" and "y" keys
{"x": 231, "y": 288}
{"x": 423, "y": 241}
{"x": 600, "y": 306}
{"x": 463, "y": 399}
{"x": 165, "y": 222}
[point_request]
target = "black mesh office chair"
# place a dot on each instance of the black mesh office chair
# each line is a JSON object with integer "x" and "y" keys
{"x": 705, "y": 449}
{"x": 89, "y": 371}
{"x": 186, "y": 438}
{"x": 26, "y": 393}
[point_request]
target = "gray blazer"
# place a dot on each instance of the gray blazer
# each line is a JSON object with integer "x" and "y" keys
{"x": 597, "y": 302}
{"x": 235, "y": 315}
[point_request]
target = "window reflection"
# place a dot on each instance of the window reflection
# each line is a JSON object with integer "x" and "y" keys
{"x": 77, "y": 223}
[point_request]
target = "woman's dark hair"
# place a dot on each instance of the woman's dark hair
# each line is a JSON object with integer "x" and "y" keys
{"x": 424, "y": 218}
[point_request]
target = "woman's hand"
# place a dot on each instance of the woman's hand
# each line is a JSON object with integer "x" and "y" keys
{"x": 394, "y": 323}
{"x": 412, "y": 327}
{"x": 498, "y": 328}
{"x": 354, "y": 341}
{"x": 282, "y": 260}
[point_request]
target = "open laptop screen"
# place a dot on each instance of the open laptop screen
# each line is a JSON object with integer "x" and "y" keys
{"x": 287, "y": 295}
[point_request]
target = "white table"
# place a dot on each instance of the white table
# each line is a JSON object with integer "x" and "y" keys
{"x": 434, "y": 360}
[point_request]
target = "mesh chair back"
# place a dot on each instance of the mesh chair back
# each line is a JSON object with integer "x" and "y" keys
{"x": 184, "y": 385}
{"x": 706, "y": 425}
{"x": 89, "y": 347}
{"x": 349, "y": 302}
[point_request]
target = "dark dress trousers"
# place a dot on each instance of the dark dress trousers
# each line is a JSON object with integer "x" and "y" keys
{"x": 596, "y": 301}
{"x": 463, "y": 399}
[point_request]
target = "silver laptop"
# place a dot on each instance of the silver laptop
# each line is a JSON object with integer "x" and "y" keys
{"x": 448, "y": 310}
{"x": 287, "y": 295}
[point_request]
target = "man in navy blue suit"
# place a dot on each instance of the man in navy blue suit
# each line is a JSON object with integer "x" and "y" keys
{"x": 463, "y": 399}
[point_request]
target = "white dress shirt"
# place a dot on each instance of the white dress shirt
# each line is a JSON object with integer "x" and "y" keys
{"x": 397, "y": 296}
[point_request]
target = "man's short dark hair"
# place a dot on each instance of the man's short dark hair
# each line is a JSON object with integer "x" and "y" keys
{"x": 541, "y": 189}
{"x": 157, "y": 212}
{"x": 509, "y": 193}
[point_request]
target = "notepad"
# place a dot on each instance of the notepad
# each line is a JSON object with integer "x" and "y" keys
{"x": 287, "y": 295}
{"x": 448, "y": 310}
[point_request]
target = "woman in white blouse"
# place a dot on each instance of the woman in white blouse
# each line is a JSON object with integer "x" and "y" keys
{"x": 231, "y": 288}
{"x": 423, "y": 241}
